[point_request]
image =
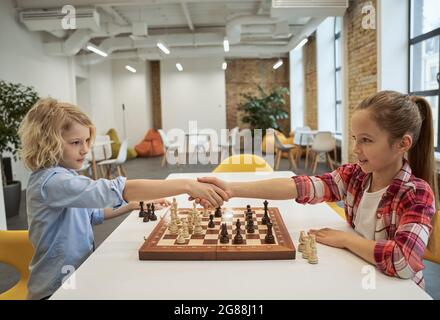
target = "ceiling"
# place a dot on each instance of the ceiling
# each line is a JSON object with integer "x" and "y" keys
{"x": 188, "y": 28}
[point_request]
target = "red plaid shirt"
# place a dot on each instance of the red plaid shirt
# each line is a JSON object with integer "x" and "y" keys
{"x": 404, "y": 214}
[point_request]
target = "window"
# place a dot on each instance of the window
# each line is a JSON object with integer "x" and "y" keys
{"x": 338, "y": 82}
{"x": 424, "y": 55}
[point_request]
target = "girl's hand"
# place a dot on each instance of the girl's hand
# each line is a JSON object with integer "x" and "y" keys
{"x": 161, "y": 203}
{"x": 214, "y": 181}
{"x": 211, "y": 195}
{"x": 331, "y": 237}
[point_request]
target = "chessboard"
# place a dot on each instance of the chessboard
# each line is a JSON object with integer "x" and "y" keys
{"x": 162, "y": 245}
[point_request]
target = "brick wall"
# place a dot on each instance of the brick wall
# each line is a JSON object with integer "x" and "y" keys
{"x": 311, "y": 92}
{"x": 155, "y": 94}
{"x": 243, "y": 76}
{"x": 361, "y": 60}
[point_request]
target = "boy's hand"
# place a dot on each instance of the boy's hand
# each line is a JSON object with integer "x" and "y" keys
{"x": 212, "y": 195}
{"x": 216, "y": 182}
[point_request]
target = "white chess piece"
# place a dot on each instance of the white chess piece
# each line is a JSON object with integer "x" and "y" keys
{"x": 301, "y": 241}
{"x": 173, "y": 228}
{"x": 198, "y": 230}
{"x": 205, "y": 213}
{"x": 180, "y": 238}
{"x": 313, "y": 254}
{"x": 185, "y": 231}
{"x": 306, "y": 251}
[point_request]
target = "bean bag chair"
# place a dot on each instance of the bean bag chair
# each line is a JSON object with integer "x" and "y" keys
{"x": 151, "y": 145}
{"x": 131, "y": 153}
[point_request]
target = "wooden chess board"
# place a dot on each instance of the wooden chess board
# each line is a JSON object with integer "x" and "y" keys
{"x": 161, "y": 245}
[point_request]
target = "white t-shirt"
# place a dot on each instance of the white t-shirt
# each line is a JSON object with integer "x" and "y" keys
{"x": 365, "y": 220}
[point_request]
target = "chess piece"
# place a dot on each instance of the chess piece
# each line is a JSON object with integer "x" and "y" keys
{"x": 306, "y": 251}
{"x": 174, "y": 204}
{"x": 185, "y": 232}
{"x": 146, "y": 214}
{"x": 180, "y": 238}
{"x": 211, "y": 223}
{"x": 301, "y": 241}
{"x": 250, "y": 227}
{"x": 198, "y": 229}
{"x": 152, "y": 214}
{"x": 313, "y": 253}
{"x": 173, "y": 228}
{"x": 205, "y": 213}
{"x": 269, "y": 239}
{"x": 265, "y": 218}
{"x": 238, "y": 239}
{"x": 218, "y": 212}
{"x": 141, "y": 212}
{"x": 224, "y": 237}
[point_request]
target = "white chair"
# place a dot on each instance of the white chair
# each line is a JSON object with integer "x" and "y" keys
{"x": 323, "y": 143}
{"x": 228, "y": 142}
{"x": 102, "y": 147}
{"x": 303, "y": 139}
{"x": 280, "y": 148}
{"x": 117, "y": 163}
{"x": 167, "y": 146}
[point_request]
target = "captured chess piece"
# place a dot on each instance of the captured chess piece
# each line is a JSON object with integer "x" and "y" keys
{"x": 224, "y": 237}
{"x": 269, "y": 239}
{"x": 313, "y": 253}
{"x": 141, "y": 212}
{"x": 152, "y": 214}
{"x": 238, "y": 239}
{"x": 306, "y": 250}
{"x": 218, "y": 212}
{"x": 302, "y": 237}
{"x": 211, "y": 223}
{"x": 265, "y": 218}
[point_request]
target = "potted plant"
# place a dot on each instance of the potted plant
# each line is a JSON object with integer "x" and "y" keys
{"x": 265, "y": 111}
{"x": 15, "y": 102}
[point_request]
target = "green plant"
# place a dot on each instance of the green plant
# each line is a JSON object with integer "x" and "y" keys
{"x": 15, "y": 102}
{"x": 265, "y": 111}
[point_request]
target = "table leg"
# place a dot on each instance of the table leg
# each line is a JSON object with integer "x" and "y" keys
{"x": 95, "y": 175}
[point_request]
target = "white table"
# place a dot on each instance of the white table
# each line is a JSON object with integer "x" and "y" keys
{"x": 114, "y": 271}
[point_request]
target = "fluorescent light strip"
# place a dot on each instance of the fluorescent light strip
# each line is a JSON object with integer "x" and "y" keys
{"x": 226, "y": 45}
{"x": 278, "y": 64}
{"x": 162, "y": 47}
{"x": 224, "y": 65}
{"x": 179, "y": 67}
{"x": 303, "y": 42}
{"x": 96, "y": 50}
{"x": 130, "y": 68}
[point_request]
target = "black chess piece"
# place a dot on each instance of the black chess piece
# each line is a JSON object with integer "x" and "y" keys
{"x": 218, "y": 212}
{"x": 146, "y": 217}
{"x": 224, "y": 237}
{"x": 269, "y": 239}
{"x": 238, "y": 239}
{"x": 250, "y": 227}
{"x": 211, "y": 223}
{"x": 152, "y": 214}
{"x": 141, "y": 212}
{"x": 265, "y": 218}
{"x": 265, "y": 205}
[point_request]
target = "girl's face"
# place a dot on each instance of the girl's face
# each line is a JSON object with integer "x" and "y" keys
{"x": 75, "y": 147}
{"x": 371, "y": 144}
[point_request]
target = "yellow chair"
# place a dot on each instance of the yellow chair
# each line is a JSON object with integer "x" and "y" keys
{"x": 131, "y": 153}
{"x": 269, "y": 142}
{"x": 17, "y": 251}
{"x": 243, "y": 163}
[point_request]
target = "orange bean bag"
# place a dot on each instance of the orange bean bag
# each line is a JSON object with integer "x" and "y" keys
{"x": 151, "y": 145}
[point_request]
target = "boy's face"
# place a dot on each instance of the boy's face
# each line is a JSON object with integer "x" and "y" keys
{"x": 371, "y": 144}
{"x": 75, "y": 147}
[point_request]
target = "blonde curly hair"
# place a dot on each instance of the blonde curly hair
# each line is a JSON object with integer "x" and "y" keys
{"x": 41, "y": 132}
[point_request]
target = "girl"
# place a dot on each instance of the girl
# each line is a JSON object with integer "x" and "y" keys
{"x": 389, "y": 201}
{"x": 62, "y": 205}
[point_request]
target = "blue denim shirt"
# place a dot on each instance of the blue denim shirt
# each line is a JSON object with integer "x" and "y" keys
{"x": 62, "y": 206}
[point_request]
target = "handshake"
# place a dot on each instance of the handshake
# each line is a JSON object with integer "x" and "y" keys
{"x": 210, "y": 192}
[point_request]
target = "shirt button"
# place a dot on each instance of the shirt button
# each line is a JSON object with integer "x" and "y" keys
{"x": 379, "y": 215}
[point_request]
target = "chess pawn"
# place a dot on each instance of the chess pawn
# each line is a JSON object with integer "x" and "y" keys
{"x": 173, "y": 228}
{"x": 205, "y": 213}
{"x": 301, "y": 241}
{"x": 174, "y": 204}
{"x": 211, "y": 223}
{"x": 198, "y": 230}
{"x": 180, "y": 238}
{"x": 306, "y": 251}
{"x": 185, "y": 231}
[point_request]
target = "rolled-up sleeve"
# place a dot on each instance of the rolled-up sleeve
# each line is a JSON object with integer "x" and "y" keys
{"x": 65, "y": 189}
{"x": 403, "y": 255}
{"x": 96, "y": 216}
{"x": 327, "y": 187}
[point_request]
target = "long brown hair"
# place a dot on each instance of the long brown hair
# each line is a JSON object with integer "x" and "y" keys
{"x": 401, "y": 114}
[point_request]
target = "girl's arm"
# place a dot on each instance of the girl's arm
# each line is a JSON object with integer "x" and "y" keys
{"x": 273, "y": 189}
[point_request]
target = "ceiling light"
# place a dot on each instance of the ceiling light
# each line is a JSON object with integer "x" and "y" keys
{"x": 162, "y": 47}
{"x": 226, "y": 45}
{"x": 179, "y": 67}
{"x": 130, "y": 68}
{"x": 224, "y": 65}
{"x": 303, "y": 42}
{"x": 94, "y": 49}
{"x": 278, "y": 64}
